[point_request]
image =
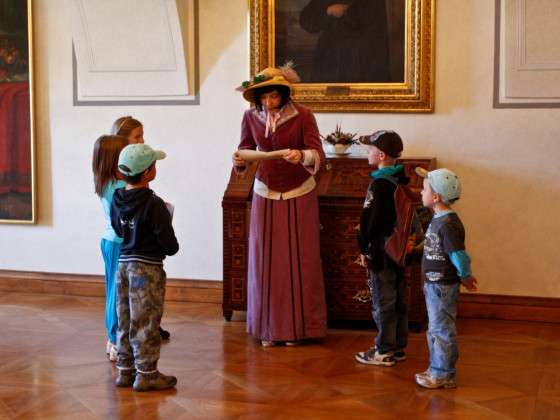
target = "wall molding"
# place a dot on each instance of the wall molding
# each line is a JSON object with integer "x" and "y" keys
{"x": 178, "y": 290}
{"x": 512, "y": 308}
{"x": 518, "y": 81}
{"x": 471, "y": 305}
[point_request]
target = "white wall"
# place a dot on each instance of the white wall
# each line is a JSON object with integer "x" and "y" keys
{"x": 508, "y": 159}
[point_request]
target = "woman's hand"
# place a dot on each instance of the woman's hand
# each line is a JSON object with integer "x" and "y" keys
{"x": 237, "y": 161}
{"x": 337, "y": 10}
{"x": 294, "y": 156}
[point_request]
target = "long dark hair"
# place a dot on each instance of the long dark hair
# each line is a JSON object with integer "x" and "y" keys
{"x": 106, "y": 152}
{"x": 284, "y": 92}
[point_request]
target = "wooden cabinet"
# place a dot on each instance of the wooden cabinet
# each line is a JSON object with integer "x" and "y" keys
{"x": 341, "y": 187}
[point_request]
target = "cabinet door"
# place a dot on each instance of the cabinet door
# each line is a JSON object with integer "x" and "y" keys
{"x": 347, "y": 292}
{"x": 345, "y": 279}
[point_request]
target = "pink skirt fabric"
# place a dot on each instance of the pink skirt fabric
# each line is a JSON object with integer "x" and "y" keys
{"x": 286, "y": 292}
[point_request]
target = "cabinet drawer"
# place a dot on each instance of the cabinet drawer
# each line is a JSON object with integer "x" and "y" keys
{"x": 341, "y": 260}
{"x": 339, "y": 226}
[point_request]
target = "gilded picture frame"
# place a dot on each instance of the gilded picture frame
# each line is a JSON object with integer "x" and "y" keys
{"x": 413, "y": 93}
{"x": 17, "y": 151}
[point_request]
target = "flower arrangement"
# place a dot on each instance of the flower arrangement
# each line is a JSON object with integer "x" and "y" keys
{"x": 340, "y": 137}
{"x": 256, "y": 79}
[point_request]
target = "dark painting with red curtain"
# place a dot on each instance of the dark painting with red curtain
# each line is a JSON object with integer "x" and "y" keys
{"x": 16, "y": 203}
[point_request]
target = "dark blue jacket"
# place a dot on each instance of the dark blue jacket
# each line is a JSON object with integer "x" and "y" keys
{"x": 141, "y": 218}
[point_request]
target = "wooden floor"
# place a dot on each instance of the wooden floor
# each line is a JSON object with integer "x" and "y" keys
{"x": 53, "y": 365}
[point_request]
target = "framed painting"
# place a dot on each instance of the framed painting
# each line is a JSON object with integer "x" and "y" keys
{"x": 351, "y": 55}
{"x": 17, "y": 185}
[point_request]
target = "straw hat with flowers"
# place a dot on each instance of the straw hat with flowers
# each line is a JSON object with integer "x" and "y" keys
{"x": 271, "y": 76}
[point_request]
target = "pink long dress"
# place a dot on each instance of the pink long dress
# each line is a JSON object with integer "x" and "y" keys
{"x": 286, "y": 292}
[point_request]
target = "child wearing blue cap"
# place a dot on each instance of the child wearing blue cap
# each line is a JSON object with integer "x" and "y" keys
{"x": 133, "y": 130}
{"x": 142, "y": 219}
{"x": 446, "y": 266}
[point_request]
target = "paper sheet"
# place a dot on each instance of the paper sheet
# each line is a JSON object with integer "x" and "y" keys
{"x": 257, "y": 155}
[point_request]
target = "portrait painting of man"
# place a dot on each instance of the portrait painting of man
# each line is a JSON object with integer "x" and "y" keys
{"x": 342, "y": 41}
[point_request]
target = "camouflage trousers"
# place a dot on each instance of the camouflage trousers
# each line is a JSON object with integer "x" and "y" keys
{"x": 140, "y": 296}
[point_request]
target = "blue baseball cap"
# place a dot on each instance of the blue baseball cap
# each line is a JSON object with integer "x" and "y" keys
{"x": 136, "y": 158}
{"x": 444, "y": 182}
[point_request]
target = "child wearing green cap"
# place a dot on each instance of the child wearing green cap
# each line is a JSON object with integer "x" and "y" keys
{"x": 446, "y": 266}
{"x": 142, "y": 219}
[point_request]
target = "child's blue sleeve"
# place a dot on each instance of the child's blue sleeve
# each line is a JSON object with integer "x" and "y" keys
{"x": 462, "y": 262}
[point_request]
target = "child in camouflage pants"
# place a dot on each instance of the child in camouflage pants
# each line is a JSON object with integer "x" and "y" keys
{"x": 141, "y": 218}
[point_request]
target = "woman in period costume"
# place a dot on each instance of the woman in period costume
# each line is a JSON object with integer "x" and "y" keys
{"x": 285, "y": 292}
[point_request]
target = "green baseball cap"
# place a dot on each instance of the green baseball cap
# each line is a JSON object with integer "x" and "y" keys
{"x": 136, "y": 158}
{"x": 444, "y": 182}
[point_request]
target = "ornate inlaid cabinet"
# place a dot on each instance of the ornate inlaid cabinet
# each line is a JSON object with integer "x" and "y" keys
{"x": 341, "y": 186}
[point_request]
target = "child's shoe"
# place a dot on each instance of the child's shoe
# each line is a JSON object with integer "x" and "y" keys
{"x": 399, "y": 355}
{"x": 293, "y": 343}
{"x": 125, "y": 378}
{"x": 153, "y": 381}
{"x": 108, "y": 347}
{"x": 165, "y": 335}
{"x": 373, "y": 357}
{"x": 267, "y": 343}
{"x": 426, "y": 380}
{"x": 111, "y": 351}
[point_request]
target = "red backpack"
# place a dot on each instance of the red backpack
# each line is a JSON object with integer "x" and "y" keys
{"x": 406, "y": 203}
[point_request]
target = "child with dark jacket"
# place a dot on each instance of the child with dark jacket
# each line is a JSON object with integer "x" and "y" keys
{"x": 142, "y": 219}
{"x": 386, "y": 278}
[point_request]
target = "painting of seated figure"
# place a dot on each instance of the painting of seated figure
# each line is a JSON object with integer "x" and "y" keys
{"x": 16, "y": 125}
{"x": 344, "y": 41}
{"x": 351, "y": 55}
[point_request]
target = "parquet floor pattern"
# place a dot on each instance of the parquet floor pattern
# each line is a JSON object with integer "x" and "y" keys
{"x": 53, "y": 366}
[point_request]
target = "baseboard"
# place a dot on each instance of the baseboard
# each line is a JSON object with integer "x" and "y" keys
{"x": 471, "y": 305}
{"x": 513, "y": 308}
{"x": 179, "y": 290}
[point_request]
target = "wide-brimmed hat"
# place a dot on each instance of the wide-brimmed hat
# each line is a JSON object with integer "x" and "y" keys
{"x": 271, "y": 76}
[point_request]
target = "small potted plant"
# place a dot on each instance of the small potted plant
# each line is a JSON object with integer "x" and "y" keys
{"x": 338, "y": 141}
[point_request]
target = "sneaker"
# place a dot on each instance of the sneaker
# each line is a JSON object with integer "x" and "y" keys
{"x": 125, "y": 378}
{"x": 399, "y": 355}
{"x": 113, "y": 353}
{"x": 267, "y": 343}
{"x": 292, "y": 343}
{"x": 153, "y": 381}
{"x": 108, "y": 347}
{"x": 165, "y": 335}
{"x": 426, "y": 380}
{"x": 373, "y": 357}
